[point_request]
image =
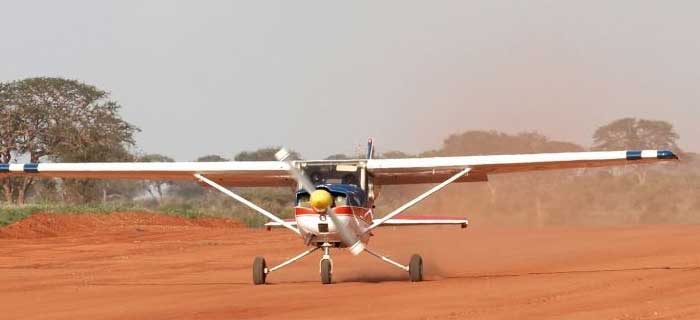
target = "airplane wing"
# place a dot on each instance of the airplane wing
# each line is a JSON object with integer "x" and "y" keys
{"x": 438, "y": 169}
{"x": 403, "y": 221}
{"x": 384, "y": 171}
{"x": 231, "y": 174}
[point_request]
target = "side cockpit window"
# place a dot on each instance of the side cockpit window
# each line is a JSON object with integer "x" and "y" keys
{"x": 304, "y": 200}
{"x": 340, "y": 200}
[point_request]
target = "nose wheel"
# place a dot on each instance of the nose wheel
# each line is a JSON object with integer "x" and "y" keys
{"x": 326, "y": 265}
{"x": 326, "y": 271}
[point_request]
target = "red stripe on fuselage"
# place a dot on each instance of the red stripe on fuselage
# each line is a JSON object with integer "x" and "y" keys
{"x": 299, "y": 211}
{"x": 360, "y": 212}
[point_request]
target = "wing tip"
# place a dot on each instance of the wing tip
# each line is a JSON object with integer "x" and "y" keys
{"x": 666, "y": 155}
{"x": 650, "y": 154}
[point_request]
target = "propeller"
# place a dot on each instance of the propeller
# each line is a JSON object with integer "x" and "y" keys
{"x": 321, "y": 201}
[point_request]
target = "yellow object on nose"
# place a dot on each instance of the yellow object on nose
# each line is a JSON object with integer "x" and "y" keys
{"x": 320, "y": 200}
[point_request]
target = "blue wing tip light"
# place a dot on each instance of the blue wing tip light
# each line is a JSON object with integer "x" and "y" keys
{"x": 666, "y": 155}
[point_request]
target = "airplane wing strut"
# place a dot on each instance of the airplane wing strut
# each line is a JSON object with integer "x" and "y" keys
{"x": 247, "y": 203}
{"x": 417, "y": 199}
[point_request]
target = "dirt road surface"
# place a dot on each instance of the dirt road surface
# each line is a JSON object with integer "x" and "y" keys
{"x": 138, "y": 266}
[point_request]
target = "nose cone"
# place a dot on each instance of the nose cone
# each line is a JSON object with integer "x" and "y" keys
{"x": 320, "y": 200}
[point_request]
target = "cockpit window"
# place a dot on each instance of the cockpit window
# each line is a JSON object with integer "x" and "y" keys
{"x": 340, "y": 200}
{"x": 304, "y": 200}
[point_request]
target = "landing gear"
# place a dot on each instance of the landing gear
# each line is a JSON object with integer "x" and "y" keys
{"x": 259, "y": 270}
{"x": 326, "y": 265}
{"x": 415, "y": 268}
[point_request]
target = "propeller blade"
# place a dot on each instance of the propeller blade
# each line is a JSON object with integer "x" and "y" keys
{"x": 283, "y": 155}
{"x": 348, "y": 237}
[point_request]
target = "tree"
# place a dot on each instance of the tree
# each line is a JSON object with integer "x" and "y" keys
{"x": 637, "y": 134}
{"x": 338, "y": 156}
{"x": 477, "y": 142}
{"x": 395, "y": 155}
{"x": 155, "y": 187}
{"x": 10, "y": 120}
{"x": 264, "y": 154}
{"x": 92, "y": 190}
{"x": 189, "y": 190}
{"x": 60, "y": 120}
{"x": 540, "y": 185}
{"x": 212, "y": 158}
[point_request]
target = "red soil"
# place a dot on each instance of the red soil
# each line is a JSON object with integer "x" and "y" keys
{"x": 44, "y": 225}
{"x": 144, "y": 266}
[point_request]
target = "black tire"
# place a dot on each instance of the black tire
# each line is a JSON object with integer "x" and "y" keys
{"x": 259, "y": 267}
{"x": 326, "y": 271}
{"x": 415, "y": 268}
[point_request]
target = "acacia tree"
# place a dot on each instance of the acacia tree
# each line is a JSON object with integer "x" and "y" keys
{"x": 394, "y": 155}
{"x": 9, "y": 119}
{"x": 264, "y": 154}
{"x": 338, "y": 156}
{"x": 638, "y": 134}
{"x": 60, "y": 120}
{"x": 539, "y": 186}
{"x": 212, "y": 158}
{"x": 155, "y": 187}
{"x": 190, "y": 190}
{"x": 631, "y": 133}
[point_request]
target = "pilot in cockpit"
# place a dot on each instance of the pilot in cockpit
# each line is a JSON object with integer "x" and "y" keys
{"x": 340, "y": 200}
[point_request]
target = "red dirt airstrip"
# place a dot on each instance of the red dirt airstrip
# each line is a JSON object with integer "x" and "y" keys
{"x": 145, "y": 266}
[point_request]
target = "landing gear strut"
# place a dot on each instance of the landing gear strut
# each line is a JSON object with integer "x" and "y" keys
{"x": 260, "y": 269}
{"x": 414, "y": 268}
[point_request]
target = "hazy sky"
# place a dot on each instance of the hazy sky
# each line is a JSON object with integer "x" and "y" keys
{"x": 203, "y": 77}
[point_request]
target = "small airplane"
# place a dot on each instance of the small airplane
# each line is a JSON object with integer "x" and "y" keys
{"x": 335, "y": 198}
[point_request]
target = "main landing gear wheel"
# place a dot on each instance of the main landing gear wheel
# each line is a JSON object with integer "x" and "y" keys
{"x": 415, "y": 268}
{"x": 326, "y": 271}
{"x": 259, "y": 267}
